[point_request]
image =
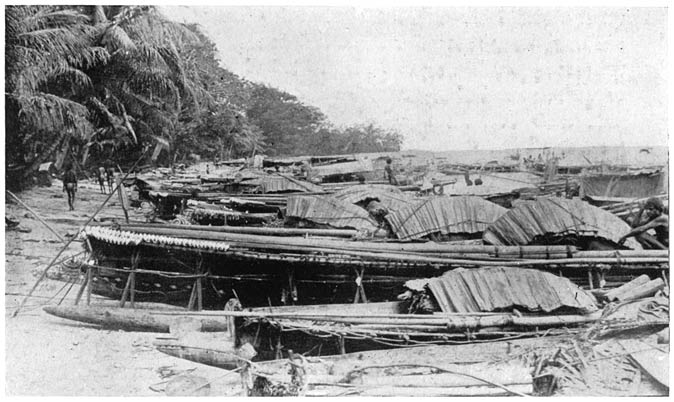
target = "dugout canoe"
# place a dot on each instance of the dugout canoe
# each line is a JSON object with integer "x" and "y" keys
{"x": 468, "y": 370}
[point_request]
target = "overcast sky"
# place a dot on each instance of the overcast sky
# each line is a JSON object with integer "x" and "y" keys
{"x": 460, "y": 78}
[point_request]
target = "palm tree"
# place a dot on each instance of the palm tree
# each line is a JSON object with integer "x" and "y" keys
{"x": 46, "y": 50}
{"x": 110, "y": 81}
{"x": 141, "y": 93}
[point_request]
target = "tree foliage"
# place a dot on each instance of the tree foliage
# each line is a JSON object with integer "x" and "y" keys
{"x": 107, "y": 82}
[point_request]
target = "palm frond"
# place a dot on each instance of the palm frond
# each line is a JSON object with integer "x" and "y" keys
{"x": 51, "y": 113}
{"x": 46, "y": 17}
{"x": 150, "y": 54}
{"x": 74, "y": 77}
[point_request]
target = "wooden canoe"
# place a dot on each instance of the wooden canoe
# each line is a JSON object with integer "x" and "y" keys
{"x": 420, "y": 371}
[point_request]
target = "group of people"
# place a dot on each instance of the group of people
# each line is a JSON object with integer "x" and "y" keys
{"x": 105, "y": 175}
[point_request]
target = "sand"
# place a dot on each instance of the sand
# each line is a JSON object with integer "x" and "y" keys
{"x": 49, "y": 356}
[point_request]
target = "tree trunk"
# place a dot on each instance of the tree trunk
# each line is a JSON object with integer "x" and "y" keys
{"x": 65, "y": 136}
{"x": 98, "y": 15}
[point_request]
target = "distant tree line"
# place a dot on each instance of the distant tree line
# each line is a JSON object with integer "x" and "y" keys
{"x": 89, "y": 85}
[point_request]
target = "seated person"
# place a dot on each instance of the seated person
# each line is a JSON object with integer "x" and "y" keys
{"x": 388, "y": 172}
{"x": 656, "y": 219}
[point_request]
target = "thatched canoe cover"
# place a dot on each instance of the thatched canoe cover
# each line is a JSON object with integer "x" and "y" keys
{"x": 278, "y": 183}
{"x": 503, "y": 288}
{"x": 528, "y": 220}
{"x": 445, "y": 215}
{"x": 329, "y": 211}
{"x": 389, "y": 196}
{"x": 359, "y": 166}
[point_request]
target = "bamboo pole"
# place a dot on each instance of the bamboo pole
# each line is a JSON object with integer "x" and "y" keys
{"x": 622, "y": 254}
{"x": 636, "y": 202}
{"x": 44, "y": 273}
{"x": 372, "y": 248}
{"x": 535, "y": 321}
{"x": 437, "y": 317}
{"x": 428, "y": 247}
{"x": 39, "y": 218}
{"x": 447, "y": 321}
{"x": 410, "y": 257}
{"x": 615, "y": 293}
{"x": 271, "y": 231}
{"x": 644, "y": 290}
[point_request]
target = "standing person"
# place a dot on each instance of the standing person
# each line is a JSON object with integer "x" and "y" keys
{"x": 101, "y": 179}
{"x": 657, "y": 220}
{"x": 388, "y": 172}
{"x": 110, "y": 175}
{"x": 70, "y": 186}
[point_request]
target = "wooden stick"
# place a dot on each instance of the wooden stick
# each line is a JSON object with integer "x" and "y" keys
{"x": 125, "y": 292}
{"x": 193, "y": 295}
{"x": 89, "y": 284}
{"x": 132, "y": 288}
{"x": 122, "y": 198}
{"x": 81, "y": 290}
{"x": 44, "y": 273}
{"x": 200, "y": 305}
{"x": 589, "y": 278}
{"x": 36, "y": 215}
